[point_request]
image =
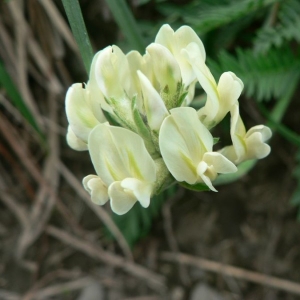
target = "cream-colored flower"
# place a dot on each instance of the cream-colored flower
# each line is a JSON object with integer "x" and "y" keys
{"x": 126, "y": 173}
{"x": 186, "y": 147}
{"x": 176, "y": 42}
{"x": 246, "y": 144}
{"x": 220, "y": 99}
{"x": 83, "y": 115}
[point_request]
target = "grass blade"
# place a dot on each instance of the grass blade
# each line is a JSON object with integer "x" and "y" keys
{"x": 73, "y": 11}
{"x": 13, "y": 93}
{"x": 127, "y": 24}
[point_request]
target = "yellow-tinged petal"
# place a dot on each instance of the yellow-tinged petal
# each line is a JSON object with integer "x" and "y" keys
{"x": 183, "y": 140}
{"x": 118, "y": 153}
{"x": 165, "y": 67}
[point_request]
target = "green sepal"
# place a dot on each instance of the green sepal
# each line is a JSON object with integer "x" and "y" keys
{"x": 181, "y": 99}
{"x": 198, "y": 187}
{"x": 110, "y": 118}
{"x": 122, "y": 111}
{"x": 216, "y": 140}
{"x": 142, "y": 128}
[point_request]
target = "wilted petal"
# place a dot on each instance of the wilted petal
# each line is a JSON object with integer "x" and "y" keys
{"x": 97, "y": 189}
{"x": 118, "y": 153}
{"x": 121, "y": 201}
{"x": 155, "y": 108}
{"x": 79, "y": 113}
{"x": 74, "y": 142}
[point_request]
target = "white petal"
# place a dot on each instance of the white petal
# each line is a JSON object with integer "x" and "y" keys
{"x": 154, "y": 106}
{"x": 186, "y": 35}
{"x": 165, "y": 36}
{"x": 192, "y": 129}
{"x": 256, "y": 148}
{"x": 118, "y": 153}
{"x": 201, "y": 169}
{"x": 79, "y": 112}
{"x": 74, "y": 142}
{"x": 237, "y": 132}
{"x": 141, "y": 190}
{"x": 120, "y": 200}
{"x": 229, "y": 89}
{"x": 165, "y": 67}
{"x": 229, "y": 153}
{"x": 176, "y": 153}
{"x": 97, "y": 96}
{"x": 265, "y": 132}
{"x": 111, "y": 70}
{"x": 183, "y": 140}
{"x": 136, "y": 62}
{"x": 178, "y": 41}
{"x": 219, "y": 162}
{"x": 97, "y": 189}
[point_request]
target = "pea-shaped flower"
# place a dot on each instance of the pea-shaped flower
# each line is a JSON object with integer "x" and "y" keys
{"x": 186, "y": 147}
{"x": 246, "y": 144}
{"x": 176, "y": 42}
{"x": 126, "y": 173}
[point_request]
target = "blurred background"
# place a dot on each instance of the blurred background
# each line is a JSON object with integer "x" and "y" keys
{"x": 240, "y": 243}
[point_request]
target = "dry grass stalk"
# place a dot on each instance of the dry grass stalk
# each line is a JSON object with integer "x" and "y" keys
{"x": 227, "y": 270}
{"x": 154, "y": 280}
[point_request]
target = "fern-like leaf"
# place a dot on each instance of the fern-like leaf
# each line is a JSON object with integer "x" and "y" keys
{"x": 265, "y": 75}
{"x": 287, "y": 28}
{"x": 205, "y": 16}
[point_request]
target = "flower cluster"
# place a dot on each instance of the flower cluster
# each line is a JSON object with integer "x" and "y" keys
{"x": 133, "y": 117}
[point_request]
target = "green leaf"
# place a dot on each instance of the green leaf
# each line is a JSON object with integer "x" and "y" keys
{"x": 127, "y": 24}
{"x": 198, "y": 187}
{"x": 286, "y": 28}
{"x": 17, "y": 99}
{"x": 205, "y": 16}
{"x": 265, "y": 75}
{"x": 76, "y": 21}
